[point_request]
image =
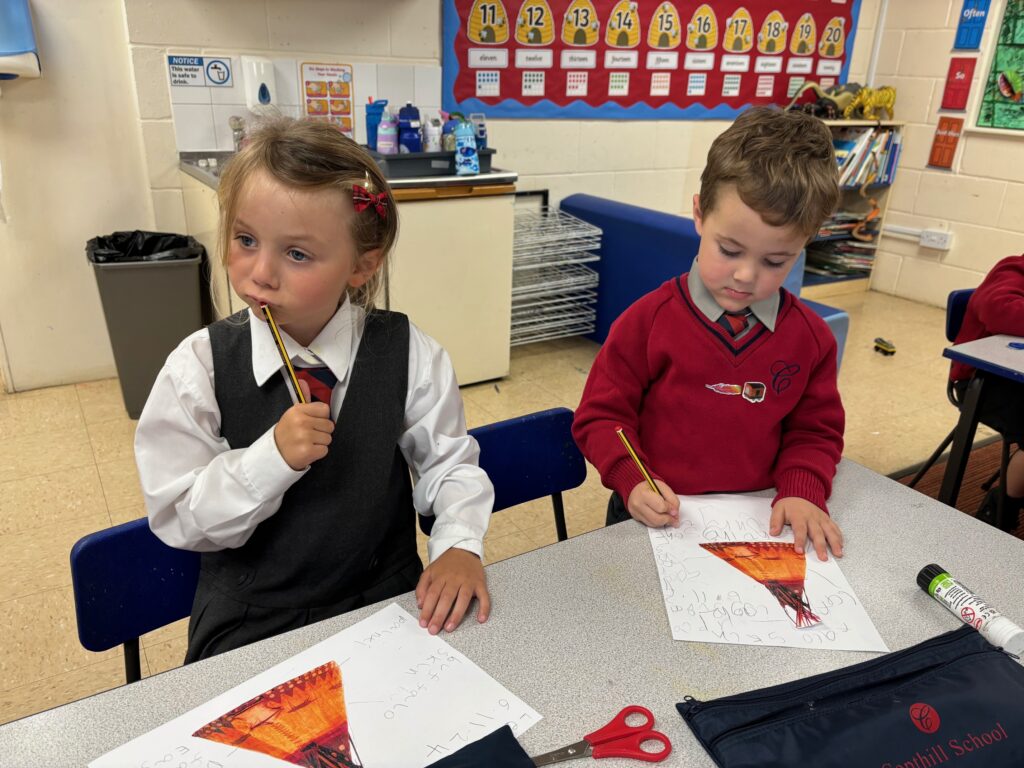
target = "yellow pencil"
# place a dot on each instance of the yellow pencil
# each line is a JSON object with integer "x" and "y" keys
{"x": 639, "y": 464}
{"x": 284, "y": 354}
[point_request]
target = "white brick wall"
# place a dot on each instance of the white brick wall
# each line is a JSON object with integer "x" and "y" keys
{"x": 980, "y": 199}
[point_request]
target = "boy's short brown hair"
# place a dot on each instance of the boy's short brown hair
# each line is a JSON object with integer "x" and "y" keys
{"x": 782, "y": 165}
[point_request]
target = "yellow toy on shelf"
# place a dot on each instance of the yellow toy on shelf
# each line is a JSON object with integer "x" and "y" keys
{"x": 869, "y": 101}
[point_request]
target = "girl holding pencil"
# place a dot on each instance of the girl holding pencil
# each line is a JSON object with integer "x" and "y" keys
{"x": 292, "y": 443}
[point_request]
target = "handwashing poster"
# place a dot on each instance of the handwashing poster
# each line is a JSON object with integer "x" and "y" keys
{"x": 327, "y": 94}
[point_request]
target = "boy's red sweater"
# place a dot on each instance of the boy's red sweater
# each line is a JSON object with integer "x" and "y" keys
{"x": 997, "y": 306}
{"x": 690, "y": 400}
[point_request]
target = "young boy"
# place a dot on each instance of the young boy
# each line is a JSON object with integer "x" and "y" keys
{"x": 722, "y": 380}
{"x": 997, "y": 306}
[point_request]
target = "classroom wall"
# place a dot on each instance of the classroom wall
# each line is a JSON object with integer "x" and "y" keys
{"x": 655, "y": 164}
{"x": 980, "y": 199}
{"x": 71, "y": 159}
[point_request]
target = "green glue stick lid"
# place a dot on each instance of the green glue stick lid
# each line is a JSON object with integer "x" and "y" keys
{"x": 927, "y": 575}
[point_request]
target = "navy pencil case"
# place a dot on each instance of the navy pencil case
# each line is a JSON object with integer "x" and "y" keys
{"x": 952, "y": 700}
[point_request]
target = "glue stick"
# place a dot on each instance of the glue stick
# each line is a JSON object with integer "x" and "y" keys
{"x": 971, "y": 609}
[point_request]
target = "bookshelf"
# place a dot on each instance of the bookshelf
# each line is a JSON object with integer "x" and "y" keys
{"x": 840, "y": 259}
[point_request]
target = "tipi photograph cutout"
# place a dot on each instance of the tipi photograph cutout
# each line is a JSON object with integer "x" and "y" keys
{"x": 775, "y": 565}
{"x": 301, "y": 721}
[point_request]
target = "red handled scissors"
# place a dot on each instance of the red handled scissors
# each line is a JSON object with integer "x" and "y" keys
{"x": 617, "y": 739}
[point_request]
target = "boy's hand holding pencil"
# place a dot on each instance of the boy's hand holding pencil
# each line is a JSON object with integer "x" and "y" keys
{"x": 651, "y": 502}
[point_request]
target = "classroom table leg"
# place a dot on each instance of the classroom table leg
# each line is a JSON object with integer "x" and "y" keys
{"x": 963, "y": 440}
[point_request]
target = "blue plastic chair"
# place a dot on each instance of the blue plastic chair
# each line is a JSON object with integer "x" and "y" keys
{"x": 126, "y": 583}
{"x": 956, "y": 309}
{"x": 527, "y": 458}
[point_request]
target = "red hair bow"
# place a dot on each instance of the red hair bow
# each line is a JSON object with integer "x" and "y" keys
{"x": 362, "y": 198}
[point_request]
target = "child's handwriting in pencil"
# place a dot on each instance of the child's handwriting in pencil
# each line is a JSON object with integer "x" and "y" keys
{"x": 759, "y": 593}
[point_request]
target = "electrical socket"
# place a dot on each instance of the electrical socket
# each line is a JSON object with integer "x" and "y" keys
{"x": 939, "y": 239}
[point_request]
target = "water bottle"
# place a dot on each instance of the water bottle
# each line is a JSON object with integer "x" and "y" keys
{"x": 432, "y": 135}
{"x": 479, "y": 120}
{"x": 387, "y": 135}
{"x": 409, "y": 129}
{"x": 374, "y": 111}
{"x": 467, "y": 162}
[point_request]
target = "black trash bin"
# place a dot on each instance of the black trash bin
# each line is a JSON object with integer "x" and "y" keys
{"x": 153, "y": 293}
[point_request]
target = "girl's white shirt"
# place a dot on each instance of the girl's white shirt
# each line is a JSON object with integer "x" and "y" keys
{"x": 203, "y": 495}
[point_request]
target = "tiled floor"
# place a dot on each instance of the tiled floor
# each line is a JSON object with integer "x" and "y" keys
{"x": 66, "y": 469}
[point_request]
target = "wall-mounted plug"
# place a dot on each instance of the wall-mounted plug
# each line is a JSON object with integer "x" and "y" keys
{"x": 939, "y": 239}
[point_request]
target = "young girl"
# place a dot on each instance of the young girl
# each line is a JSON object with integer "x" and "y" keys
{"x": 305, "y": 511}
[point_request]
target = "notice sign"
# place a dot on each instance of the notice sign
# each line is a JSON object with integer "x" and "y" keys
{"x": 199, "y": 71}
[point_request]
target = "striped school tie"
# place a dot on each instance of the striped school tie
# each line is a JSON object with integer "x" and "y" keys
{"x": 734, "y": 322}
{"x": 320, "y": 380}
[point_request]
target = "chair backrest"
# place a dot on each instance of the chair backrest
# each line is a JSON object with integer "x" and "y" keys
{"x": 528, "y": 457}
{"x": 127, "y": 583}
{"x": 956, "y": 308}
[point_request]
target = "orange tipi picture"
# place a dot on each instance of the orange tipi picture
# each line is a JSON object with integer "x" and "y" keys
{"x": 302, "y": 721}
{"x": 776, "y": 566}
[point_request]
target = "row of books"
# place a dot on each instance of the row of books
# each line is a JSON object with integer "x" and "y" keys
{"x": 867, "y": 154}
{"x": 840, "y": 257}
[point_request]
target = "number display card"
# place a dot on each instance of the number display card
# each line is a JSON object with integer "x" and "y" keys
{"x": 726, "y": 580}
{"x": 641, "y": 59}
{"x": 382, "y": 693}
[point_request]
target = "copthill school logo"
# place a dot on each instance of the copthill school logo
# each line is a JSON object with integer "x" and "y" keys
{"x": 752, "y": 391}
{"x": 924, "y": 717}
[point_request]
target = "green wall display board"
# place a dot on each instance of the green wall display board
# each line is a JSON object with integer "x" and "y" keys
{"x": 1002, "y": 106}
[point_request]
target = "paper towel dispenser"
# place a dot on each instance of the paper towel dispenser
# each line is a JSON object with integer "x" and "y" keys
{"x": 18, "y": 55}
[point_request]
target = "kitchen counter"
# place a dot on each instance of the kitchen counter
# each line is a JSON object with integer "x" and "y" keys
{"x": 189, "y": 163}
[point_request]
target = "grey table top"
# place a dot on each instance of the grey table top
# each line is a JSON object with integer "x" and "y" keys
{"x": 579, "y": 630}
{"x": 992, "y": 354}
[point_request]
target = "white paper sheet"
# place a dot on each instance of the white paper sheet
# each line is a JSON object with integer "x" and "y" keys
{"x": 411, "y": 700}
{"x": 709, "y": 600}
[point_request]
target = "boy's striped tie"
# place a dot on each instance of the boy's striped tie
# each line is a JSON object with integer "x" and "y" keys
{"x": 734, "y": 322}
{"x": 320, "y": 380}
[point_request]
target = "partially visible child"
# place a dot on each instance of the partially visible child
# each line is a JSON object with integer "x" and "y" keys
{"x": 306, "y": 511}
{"x": 997, "y": 306}
{"x": 723, "y": 380}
